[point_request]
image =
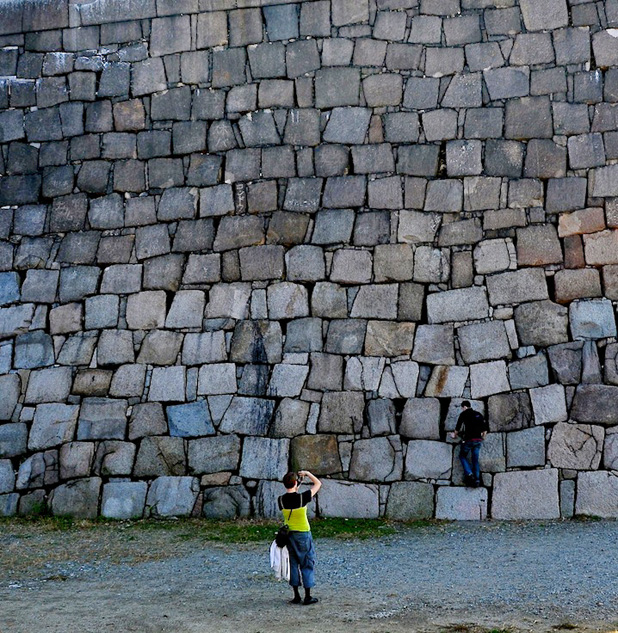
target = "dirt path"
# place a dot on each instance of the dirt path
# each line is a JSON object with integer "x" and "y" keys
{"x": 462, "y": 578}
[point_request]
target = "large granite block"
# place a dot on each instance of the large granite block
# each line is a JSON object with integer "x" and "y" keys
{"x": 524, "y": 495}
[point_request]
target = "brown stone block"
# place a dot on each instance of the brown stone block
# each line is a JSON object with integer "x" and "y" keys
{"x": 538, "y": 245}
{"x": 577, "y": 284}
{"x": 317, "y": 453}
{"x": 388, "y": 338}
{"x": 574, "y": 252}
{"x": 583, "y": 221}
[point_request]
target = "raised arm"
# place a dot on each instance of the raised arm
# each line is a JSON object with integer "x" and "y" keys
{"x": 316, "y": 483}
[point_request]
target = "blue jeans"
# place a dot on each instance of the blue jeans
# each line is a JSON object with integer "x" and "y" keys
{"x": 302, "y": 559}
{"x": 471, "y": 448}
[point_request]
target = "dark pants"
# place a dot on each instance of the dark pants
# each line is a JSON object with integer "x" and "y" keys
{"x": 302, "y": 559}
{"x": 467, "y": 450}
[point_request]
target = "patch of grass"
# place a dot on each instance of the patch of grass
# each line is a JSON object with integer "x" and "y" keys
{"x": 233, "y": 531}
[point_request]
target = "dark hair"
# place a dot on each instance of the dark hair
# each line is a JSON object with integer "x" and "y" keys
{"x": 290, "y": 480}
{"x": 466, "y": 403}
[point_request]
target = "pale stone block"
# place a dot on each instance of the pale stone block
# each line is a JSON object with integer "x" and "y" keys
{"x": 529, "y": 494}
{"x": 576, "y": 446}
{"x": 187, "y": 310}
{"x": 346, "y": 499}
{"x": 124, "y": 499}
{"x": 228, "y": 301}
{"x": 597, "y": 494}
{"x": 447, "y": 382}
{"x": 455, "y": 503}
{"x": 487, "y": 379}
{"x": 146, "y": 310}
{"x": 527, "y": 284}
{"x": 426, "y": 459}
{"x": 264, "y": 458}
{"x": 405, "y": 374}
{"x": 416, "y": 227}
{"x": 351, "y": 266}
{"x": 483, "y": 341}
{"x": 601, "y": 248}
{"x": 434, "y": 345}
{"x": 217, "y": 378}
{"x": 167, "y": 384}
{"x": 549, "y": 404}
{"x": 287, "y": 381}
{"x": 526, "y": 448}
{"x": 463, "y": 304}
{"x": 592, "y": 319}
{"x": 378, "y": 459}
{"x": 172, "y": 496}
{"x": 389, "y": 338}
{"x": 376, "y": 302}
{"x": 287, "y": 300}
{"x": 491, "y": 256}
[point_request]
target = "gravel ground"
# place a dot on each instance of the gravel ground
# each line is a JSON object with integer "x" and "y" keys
{"x": 457, "y": 577}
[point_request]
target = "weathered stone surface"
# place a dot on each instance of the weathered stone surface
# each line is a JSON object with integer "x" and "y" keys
{"x": 541, "y": 323}
{"x": 247, "y": 416}
{"x": 102, "y": 418}
{"x": 525, "y": 449}
{"x": 341, "y": 412}
{"x": 594, "y": 404}
{"x": 388, "y": 338}
{"x": 217, "y": 379}
{"x": 317, "y": 453}
{"x": 230, "y": 502}
{"x": 124, "y": 500}
{"x": 53, "y": 425}
{"x": 549, "y": 404}
{"x": 190, "y": 420}
{"x": 592, "y": 319}
{"x": 456, "y": 503}
{"x": 488, "y": 378}
{"x": 421, "y": 419}
{"x": 10, "y": 387}
{"x": 160, "y": 456}
{"x": 526, "y": 495}
{"x": 409, "y": 500}
{"x": 168, "y": 384}
{"x": 447, "y": 381}
{"x": 527, "y": 284}
{"x": 346, "y": 499}
{"x": 464, "y": 304}
{"x": 264, "y": 458}
{"x": 79, "y": 498}
{"x": 377, "y": 459}
{"x": 49, "y": 385}
{"x": 597, "y": 494}
{"x": 509, "y": 412}
{"x": 290, "y": 418}
{"x": 483, "y": 341}
{"x": 576, "y": 446}
{"x": 214, "y": 454}
{"x": 426, "y": 459}
{"x": 172, "y": 496}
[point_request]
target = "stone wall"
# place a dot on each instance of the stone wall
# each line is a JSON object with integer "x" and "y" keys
{"x": 239, "y": 238}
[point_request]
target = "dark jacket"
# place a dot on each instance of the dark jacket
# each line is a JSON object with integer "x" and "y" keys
{"x": 473, "y": 424}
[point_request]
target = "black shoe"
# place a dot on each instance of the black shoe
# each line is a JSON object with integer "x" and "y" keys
{"x": 310, "y": 600}
{"x": 470, "y": 481}
{"x": 295, "y": 600}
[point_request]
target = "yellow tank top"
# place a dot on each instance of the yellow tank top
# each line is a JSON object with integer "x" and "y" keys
{"x": 297, "y": 521}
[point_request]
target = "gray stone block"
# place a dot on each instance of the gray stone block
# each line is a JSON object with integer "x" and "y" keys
{"x": 457, "y": 305}
{"x": 303, "y": 335}
{"x": 463, "y": 158}
{"x": 592, "y": 319}
{"x": 337, "y": 87}
{"x": 172, "y": 496}
{"x": 247, "y": 416}
{"x": 49, "y": 385}
{"x": 461, "y": 504}
{"x": 124, "y": 500}
{"x": 526, "y": 449}
{"x": 264, "y": 458}
{"x": 190, "y": 420}
{"x": 160, "y": 456}
{"x": 526, "y": 495}
{"x": 128, "y": 381}
{"x": 160, "y": 347}
{"x": 146, "y": 310}
{"x": 596, "y": 494}
{"x": 102, "y": 418}
{"x": 509, "y": 412}
{"x": 440, "y": 125}
{"x": 228, "y": 67}
{"x": 377, "y": 459}
{"x": 291, "y": 419}
{"x": 541, "y": 323}
{"x": 517, "y": 286}
{"x": 214, "y": 454}
{"x": 444, "y": 196}
{"x": 168, "y": 384}
{"x": 426, "y": 459}
{"x": 529, "y": 372}
{"x": 419, "y": 160}
{"x": 79, "y": 498}
{"x": 346, "y": 499}
{"x": 228, "y": 503}
{"x": 333, "y": 226}
{"x": 217, "y": 379}
{"x": 33, "y": 349}
{"x": 528, "y": 118}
